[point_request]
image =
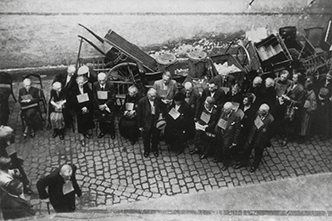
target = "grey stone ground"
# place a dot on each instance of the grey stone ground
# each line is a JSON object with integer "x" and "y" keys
{"x": 113, "y": 172}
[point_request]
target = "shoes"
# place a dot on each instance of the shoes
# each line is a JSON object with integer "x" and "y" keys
{"x": 155, "y": 153}
{"x": 101, "y": 135}
{"x": 25, "y": 134}
{"x": 83, "y": 143}
{"x": 194, "y": 151}
{"x": 238, "y": 166}
{"x": 28, "y": 191}
{"x": 132, "y": 142}
{"x": 32, "y": 134}
{"x": 252, "y": 169}
{"x": 284, "y": 142}
{"x": 61, "y": 137}
{"x": 203, "y": 156}
{"x": 55, "y": 134}
{"x": 224, "y": 168}
{"x": 113, "y": 136}
{"x": 88, "y": 136}
{"x": 146, "y": 154}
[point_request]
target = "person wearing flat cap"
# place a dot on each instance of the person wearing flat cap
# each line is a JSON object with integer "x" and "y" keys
{"x": 88, "y": 73}
{"x": 179, "y": 123}
{"x": 258, "y": 137}
{"x": 62, "y": 188}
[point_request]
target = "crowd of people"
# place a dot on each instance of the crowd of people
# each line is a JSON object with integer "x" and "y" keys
{"x": 225, "y": 121}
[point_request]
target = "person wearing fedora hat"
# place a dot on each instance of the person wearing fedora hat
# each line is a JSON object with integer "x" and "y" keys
{"x": 150, "y": 109}
{"x": 179, "y": 123}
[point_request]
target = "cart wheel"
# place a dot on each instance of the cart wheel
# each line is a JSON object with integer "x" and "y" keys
{"x": 243, "y": 56}
{"x": 126, "y": 72}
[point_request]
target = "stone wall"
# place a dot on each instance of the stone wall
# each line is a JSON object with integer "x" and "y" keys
{"x": 41, "y": 33}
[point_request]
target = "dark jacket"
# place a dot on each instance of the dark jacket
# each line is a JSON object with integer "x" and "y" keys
{"x": 260, "y": 136}
{"x": 34, "y": 92}
{"x": 232, "y": 130}
{"x": 219, "y": 96}
{"x": 193, "y": 100}
{"x": 144, "y": 116}
{"x": 215, "y": 113}
{"x": 62, "y": 78}
{"x": 13, "y": 207}
{"x": 109, "y": 87}
{"x": 54, "y": 182}
{"x": 181, "y": 128}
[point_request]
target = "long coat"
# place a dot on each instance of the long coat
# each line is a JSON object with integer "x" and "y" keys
{"x": 144, "y": 116}
{"x": 310, "y": 105}
{"x": 231, "y": 133}
{"x": 128, "y": 125}
{"x": 104, "y": 115}
{"x": 182, "y": 128}
{"x": 54, "y": 182}
{"x": 84, "y": 120}
{"x": 259, "y": 137}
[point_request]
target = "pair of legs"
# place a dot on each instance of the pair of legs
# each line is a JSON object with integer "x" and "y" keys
{"x": 151, "y": 141}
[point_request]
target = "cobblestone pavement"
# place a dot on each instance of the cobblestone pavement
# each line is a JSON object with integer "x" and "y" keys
{"x": 115, "y": 172}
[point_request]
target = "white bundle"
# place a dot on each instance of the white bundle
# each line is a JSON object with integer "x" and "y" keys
{"x": 224, "y": 69}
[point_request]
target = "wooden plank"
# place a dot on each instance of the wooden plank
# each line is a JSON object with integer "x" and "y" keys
{"x": 131, "y": 50}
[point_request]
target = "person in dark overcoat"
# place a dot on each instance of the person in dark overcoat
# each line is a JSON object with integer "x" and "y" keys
{"x": 258, "y": 137}
{"x": 62, "y": 187}
{"x": 150, "y": 110}
{"x": 82, "y": 99}
{"x": 179, "y": 123}
{"x": 104, "y": 97}
{"x": 227, "y": 130}
{"x": 205, "y": 137}
{"x": 12, "y": 205}
{"x": 128, "y": 125}
{"x": 28, "y": 99}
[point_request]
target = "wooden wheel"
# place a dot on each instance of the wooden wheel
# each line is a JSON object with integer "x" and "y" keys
{"x": 127, "y": 72}
{"x": 243, "y": 56}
